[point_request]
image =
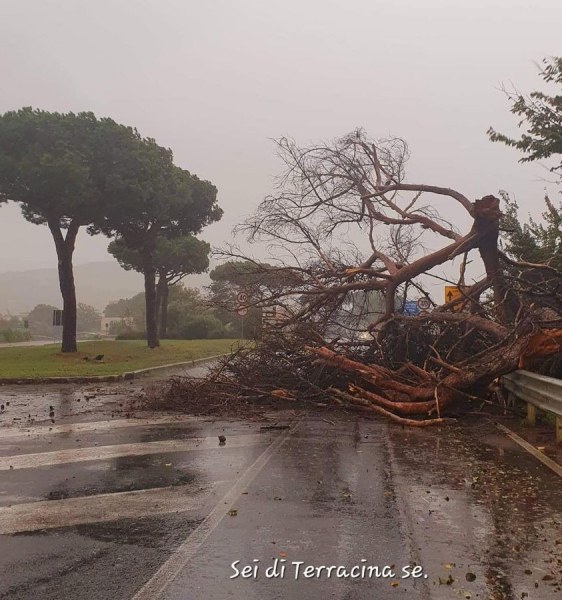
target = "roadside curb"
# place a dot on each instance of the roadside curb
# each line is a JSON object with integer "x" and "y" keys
{"x": 127, "y": 376}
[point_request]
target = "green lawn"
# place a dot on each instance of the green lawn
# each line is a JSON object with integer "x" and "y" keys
{"x": 119, "y": 357}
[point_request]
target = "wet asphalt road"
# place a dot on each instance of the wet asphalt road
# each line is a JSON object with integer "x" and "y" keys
{"x": 99, "y": 506}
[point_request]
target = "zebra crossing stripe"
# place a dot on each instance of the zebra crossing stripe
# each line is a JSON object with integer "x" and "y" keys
{"x": 49, "y": 514}
{"x": 60, "y": 457}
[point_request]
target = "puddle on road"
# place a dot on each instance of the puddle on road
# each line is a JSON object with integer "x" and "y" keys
{"x": 165, "y": 532}
{"x": 125, "y": 474}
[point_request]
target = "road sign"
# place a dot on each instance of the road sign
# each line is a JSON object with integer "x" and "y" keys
{"x": 452, "y": 292}
{"x": 242, "y": 310}
{"x": 57, "y": 318}
{"x": 424, "y": 303}
{"x": 411, "y": 308}
{"x": 242, "y": 297}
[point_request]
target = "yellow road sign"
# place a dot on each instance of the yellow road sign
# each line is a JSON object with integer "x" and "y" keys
{"x": 452, "y": 292}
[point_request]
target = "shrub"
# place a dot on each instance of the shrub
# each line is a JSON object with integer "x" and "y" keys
{"x": 200, "y": 328}
{"x": 14, "y": 335}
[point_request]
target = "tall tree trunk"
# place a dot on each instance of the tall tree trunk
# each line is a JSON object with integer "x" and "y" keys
{"x": 65, "y": 250}
{"x": 162, "y": 293}
{"x": 150, "y": 298}
{"x": 159, "y": 286}
{"x": 486, "y": 222}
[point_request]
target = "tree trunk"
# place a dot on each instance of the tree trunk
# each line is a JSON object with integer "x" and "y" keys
{"x": 159, "y": 290}
{"x": 486, "y": 222}
{"x": 150, "y": 298}
{"x": 65, "y": 250}
{"x": 163, "y": 293}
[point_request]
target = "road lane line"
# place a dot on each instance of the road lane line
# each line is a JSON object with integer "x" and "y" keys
{"x": 60, "y": 457}
{"x": 68, "y": 428}
{"x": 546, "y": 461}
{"x": 49, "y": 514}
{"x": 166, "y": 574}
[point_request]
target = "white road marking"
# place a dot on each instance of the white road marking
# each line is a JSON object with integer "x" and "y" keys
{"x": 71, "y": 428}
{"x": 60, "y": 457}
{"x": 48, "y": 514}
{"x": 157, "y": 584}
{"x": 548, "y": 462}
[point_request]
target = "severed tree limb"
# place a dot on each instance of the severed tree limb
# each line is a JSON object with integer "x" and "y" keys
{"x": 366, "y": 405}
{"x": 404, "y": 408}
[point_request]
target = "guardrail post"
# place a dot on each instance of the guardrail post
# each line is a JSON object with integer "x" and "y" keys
{"x": 511, "y": 399}
{"x": 558, "y": 426}
{"x": 531, "y": 414}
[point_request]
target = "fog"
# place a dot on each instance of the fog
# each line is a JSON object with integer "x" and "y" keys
{"x": 215, "y": 81}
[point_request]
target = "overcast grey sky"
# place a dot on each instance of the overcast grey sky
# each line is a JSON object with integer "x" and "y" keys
{"x": 216, "y": 80}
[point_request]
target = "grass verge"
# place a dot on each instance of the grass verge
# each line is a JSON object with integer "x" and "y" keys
{"x": 119, "y": 357}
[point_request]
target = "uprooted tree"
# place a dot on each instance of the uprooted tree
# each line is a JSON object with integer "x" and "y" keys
{"x": 345, "y": 225}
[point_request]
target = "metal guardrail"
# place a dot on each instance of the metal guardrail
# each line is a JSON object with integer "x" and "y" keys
{"x": 538, "y": 391}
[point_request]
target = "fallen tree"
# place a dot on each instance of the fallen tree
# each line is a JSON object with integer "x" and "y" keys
{"x": 347, "y": 232}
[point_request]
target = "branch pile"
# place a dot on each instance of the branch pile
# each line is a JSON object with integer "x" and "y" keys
{"x": 350, "y": 243}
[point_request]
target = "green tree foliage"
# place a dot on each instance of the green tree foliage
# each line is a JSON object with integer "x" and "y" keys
{"x": 88, "y": 318}
{"x": 45, "y": 165}
{"x": 534, "y": 242}
{"x": 12, "y": 335}
{"x": 147, "y": 197}
{"x": 233, "y": 277}
{"x": 190, "y": 315}
{"x": 41, "y": 319}
{"x": 12, "y": 330}
{"x": 541, "y": 116}
{"x": 69, "y": 171}
{"x": 130, "y": 309}
{"x": 174, "y": 259}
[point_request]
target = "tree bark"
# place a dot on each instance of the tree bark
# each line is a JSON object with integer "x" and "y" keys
{"x": 164, "y": 310}
{"x": 486, "y": 223}
{"x": 149, "y": 272}
{"x": 65, "y": 249}
{"x": 162, "y": 293}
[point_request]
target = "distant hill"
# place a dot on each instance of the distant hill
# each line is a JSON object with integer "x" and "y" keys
{"x": 97, "y": 283}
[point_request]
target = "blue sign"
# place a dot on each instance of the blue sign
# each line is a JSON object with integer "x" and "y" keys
{"x": 411, "y": 308}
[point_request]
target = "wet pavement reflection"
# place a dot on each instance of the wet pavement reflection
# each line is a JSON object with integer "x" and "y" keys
{"x": 481, "y": 517}
{"x": 493, "y": 512}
